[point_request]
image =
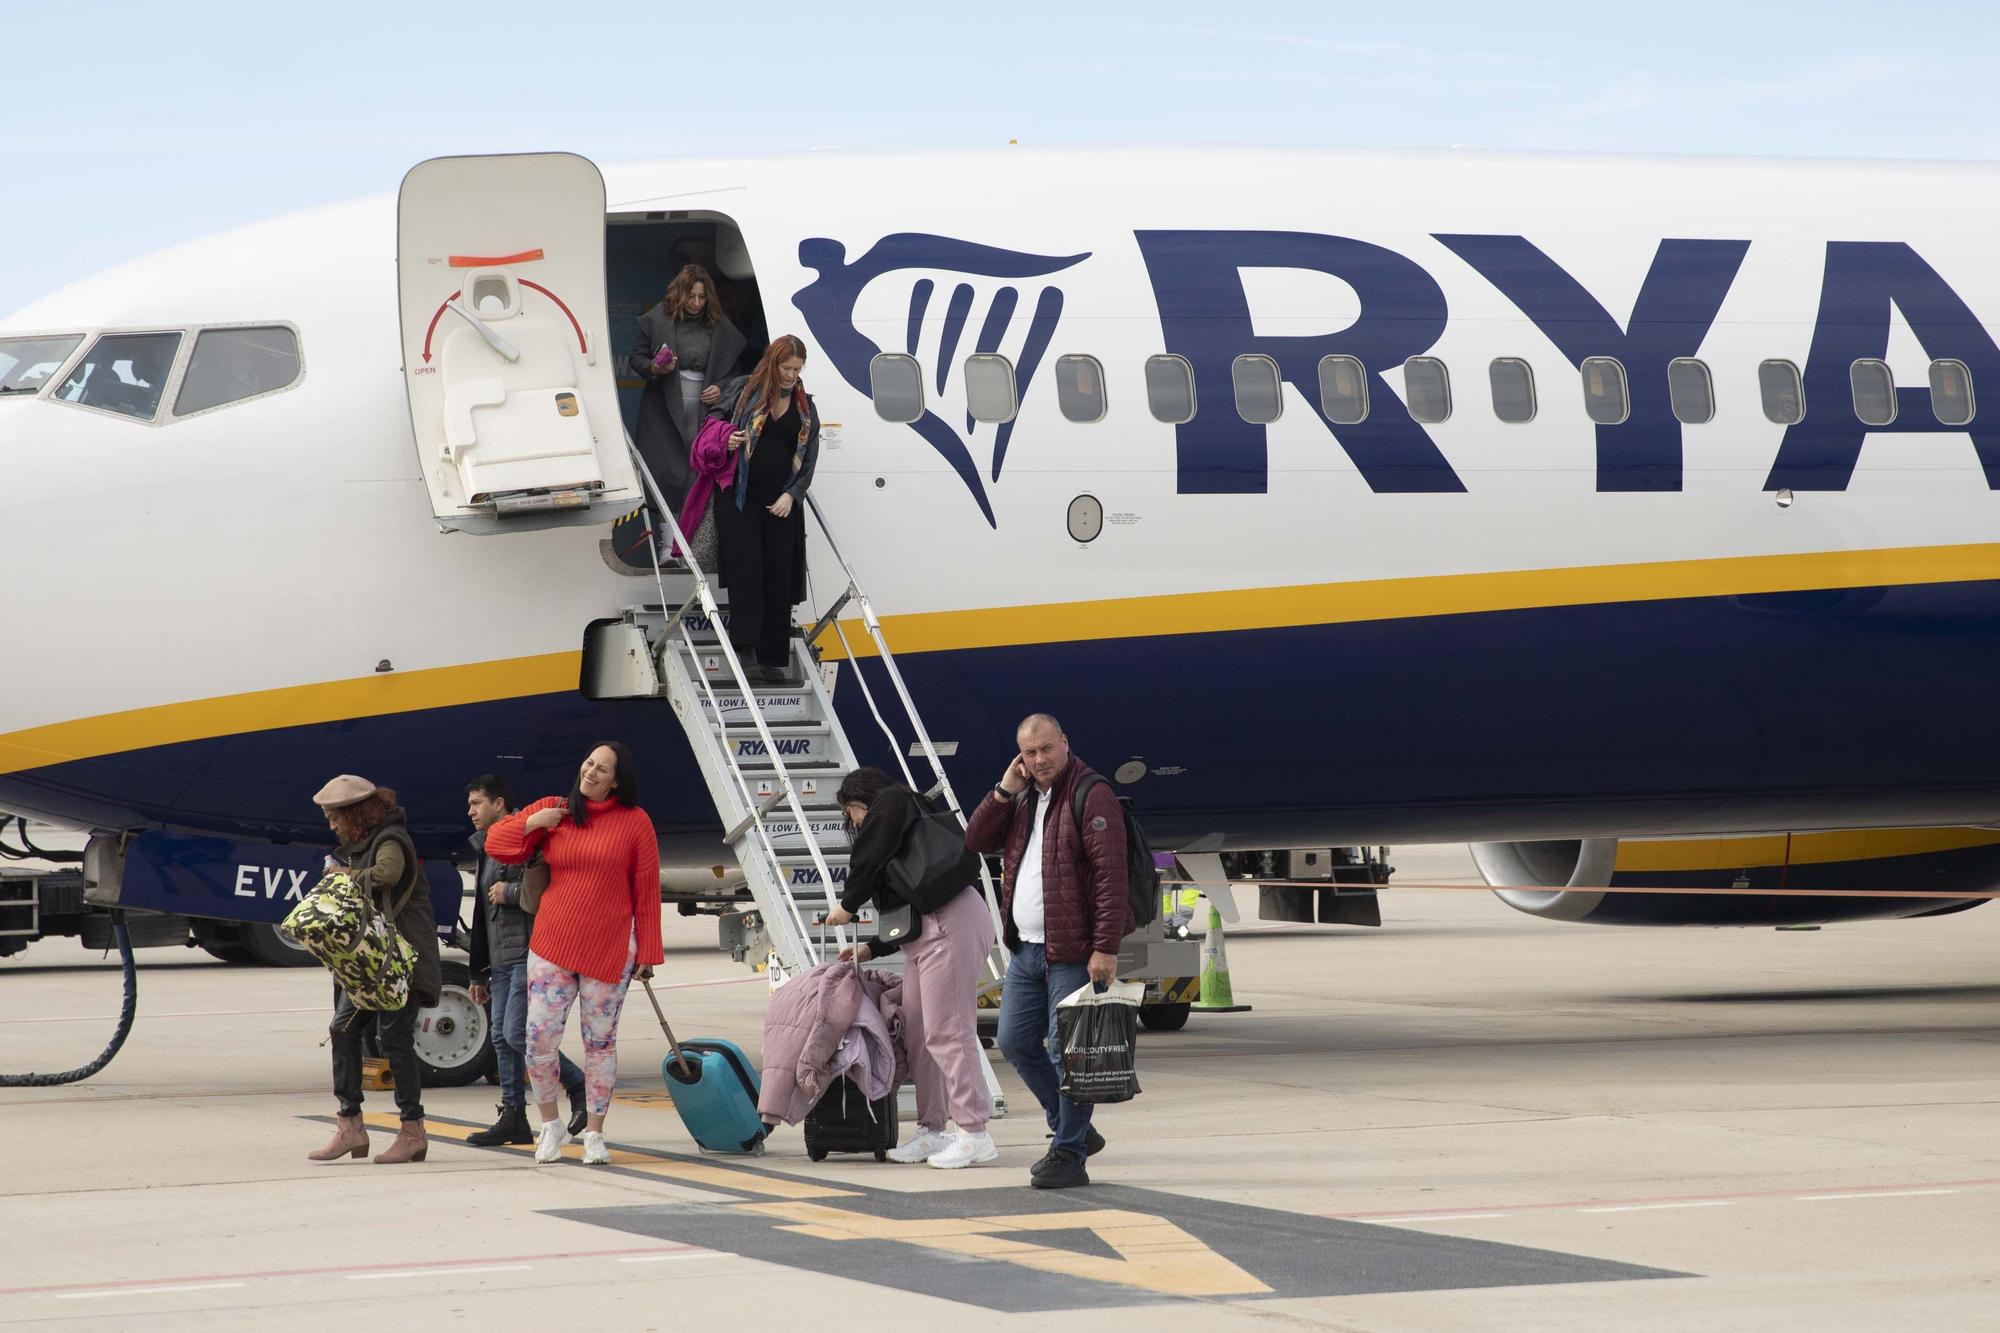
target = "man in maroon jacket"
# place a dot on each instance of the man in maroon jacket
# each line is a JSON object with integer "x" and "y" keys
{"x": 1064, "y": 908}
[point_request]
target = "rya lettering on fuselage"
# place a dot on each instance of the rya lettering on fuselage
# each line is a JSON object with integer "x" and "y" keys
{"x": 1206, "y": 316}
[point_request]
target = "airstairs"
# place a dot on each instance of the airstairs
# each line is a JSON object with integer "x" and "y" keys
{"x": 773, "y": 756}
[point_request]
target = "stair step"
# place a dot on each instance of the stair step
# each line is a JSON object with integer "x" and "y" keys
{"x": 706, "y": 660}
{"x": 800, "y": 874}
{"x": 804, "y": 746}
{"x": 830, "y": 832}
{"x": 778, "y": 704}
{"x": 816, "y": 792}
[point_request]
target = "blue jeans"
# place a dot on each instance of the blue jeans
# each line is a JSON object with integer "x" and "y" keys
{"x": 510, "y": 1036}
{"x": 1028, "y": 1000}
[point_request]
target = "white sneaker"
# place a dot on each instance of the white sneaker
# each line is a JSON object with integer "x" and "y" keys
{"x": 549, "y": 1140}
{"x": 594, "y": 1151}
{"x": 966, "y": 1150}
{"x": 926, "y": 1144}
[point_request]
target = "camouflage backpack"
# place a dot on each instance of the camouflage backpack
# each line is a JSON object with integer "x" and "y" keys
{"x": 342, "y": 927}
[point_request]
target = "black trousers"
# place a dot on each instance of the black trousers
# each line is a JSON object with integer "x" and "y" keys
{"x": 761, "y": 551}
{"x": 397, "y": 1033}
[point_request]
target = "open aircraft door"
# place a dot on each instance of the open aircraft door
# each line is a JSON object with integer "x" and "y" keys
{"x": 500, "y": 277}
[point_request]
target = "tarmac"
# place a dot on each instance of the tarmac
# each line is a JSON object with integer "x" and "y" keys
{"x": 1467, "y": 1119}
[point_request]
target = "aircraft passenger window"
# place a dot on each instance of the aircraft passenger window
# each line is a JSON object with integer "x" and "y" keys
{"x": 1170, "y": 389}
{"x": 1691, "y": 390}
{"x": 1513, "y": 382}
{"x": 989, "y": 387}
{"x": 1874, "y": 392}
{"x": 1427, "y": 389}
{"x": 229, "y": 365}
{"x": 896, "y": 383}
{"x": 1260, "y": 396}
{"x": 1951, "y": 392}
{"x": 124, "y": 373}
{"x": 1080, "y": 388}
{"x": 1605, "y": 399}
{"x": 27, "y": 363}
{"x": 1784, "y": 393}
{"x": 1343, "y": 390}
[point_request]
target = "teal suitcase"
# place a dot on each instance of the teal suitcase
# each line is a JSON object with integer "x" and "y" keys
{"x": 714, "y": 1087}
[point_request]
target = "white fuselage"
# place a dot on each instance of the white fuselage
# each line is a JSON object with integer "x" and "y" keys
{"x": 247, "y": 570}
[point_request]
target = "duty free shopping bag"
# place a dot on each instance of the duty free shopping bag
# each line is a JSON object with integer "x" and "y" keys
{"x": 1099, "y": 1035}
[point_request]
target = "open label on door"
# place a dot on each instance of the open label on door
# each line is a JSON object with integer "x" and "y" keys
{"x": 500, "y": 274}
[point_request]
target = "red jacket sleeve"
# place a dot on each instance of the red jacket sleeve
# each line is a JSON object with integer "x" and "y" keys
{"x": 509, "y": 841}
{"x": 986, "y": 831}
{"x": 1104, "y": 849}
{"x": 646, "y": 891}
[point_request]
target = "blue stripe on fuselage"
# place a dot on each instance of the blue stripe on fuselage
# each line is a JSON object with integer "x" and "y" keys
{"x": 1841, "y": 708}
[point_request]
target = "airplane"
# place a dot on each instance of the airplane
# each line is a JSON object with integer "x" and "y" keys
{"x": 1619, "y": 516}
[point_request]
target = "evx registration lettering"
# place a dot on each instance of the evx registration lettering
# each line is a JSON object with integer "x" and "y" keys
{"x": 251, "y": 878}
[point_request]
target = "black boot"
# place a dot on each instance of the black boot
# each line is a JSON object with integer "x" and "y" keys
{"x": 1065, "y": 1172}
{"x": 579, "y": 1110}
{"x": 511, "y": 1127}
{"x": 1093, "y": 1144}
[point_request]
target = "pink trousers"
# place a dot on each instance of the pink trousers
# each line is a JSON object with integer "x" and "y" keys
{"x": 940, "y": 1000}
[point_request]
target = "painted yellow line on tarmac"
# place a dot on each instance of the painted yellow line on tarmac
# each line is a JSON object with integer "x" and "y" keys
{"x": 1153, "y": 1253}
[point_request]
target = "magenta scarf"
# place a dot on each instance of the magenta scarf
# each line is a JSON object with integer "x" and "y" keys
{"x": 710, "y": 469}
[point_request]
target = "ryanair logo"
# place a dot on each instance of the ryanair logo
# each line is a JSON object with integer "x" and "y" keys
{"x": 993, "y": 301}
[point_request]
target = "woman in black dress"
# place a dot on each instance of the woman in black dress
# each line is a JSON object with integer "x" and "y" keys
{"x": 762, "y": 520}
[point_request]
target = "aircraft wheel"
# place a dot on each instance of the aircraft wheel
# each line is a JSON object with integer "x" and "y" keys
{"x": 266, "y": 944}
{"x": 1163, "y": 1017}
{"x": 454, "y": 1036}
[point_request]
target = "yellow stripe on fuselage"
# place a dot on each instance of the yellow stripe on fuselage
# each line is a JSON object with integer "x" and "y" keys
{"x": 1429, "y": 595}
{"x": 1689, "y": 854}
{"x": 1014, "y": 626}
{"x": 291, "y": 706}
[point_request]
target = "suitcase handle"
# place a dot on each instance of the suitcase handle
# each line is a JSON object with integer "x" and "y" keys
{"x": 680, "y": 1057}
{"x": 841, "y": 939}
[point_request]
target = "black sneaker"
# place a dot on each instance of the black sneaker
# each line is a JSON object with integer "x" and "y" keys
{"x": 511, "y": 1127}
{"x": 1093, "y": 1144}
{"x": 579, "y": 1111}
{"x": 1065, "y": 1171}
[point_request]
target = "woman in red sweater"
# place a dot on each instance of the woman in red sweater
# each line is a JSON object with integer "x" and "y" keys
{"x": 597, "y": 925}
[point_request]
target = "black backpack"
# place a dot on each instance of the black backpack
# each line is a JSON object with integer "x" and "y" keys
{"x": 1142, "y": 877}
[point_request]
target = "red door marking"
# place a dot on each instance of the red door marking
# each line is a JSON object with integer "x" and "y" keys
{"x": 492, "y": 261}
{"x": 565, "y": 309}
{"x": 434, "y": 323}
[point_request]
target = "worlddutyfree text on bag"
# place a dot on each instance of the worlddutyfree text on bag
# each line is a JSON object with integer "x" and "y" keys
{"x": 1100, "y": 1042}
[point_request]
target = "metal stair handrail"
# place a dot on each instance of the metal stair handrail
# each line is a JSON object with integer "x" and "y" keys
{"x": 676, "y": 624}
{"x": 873, "y": 624}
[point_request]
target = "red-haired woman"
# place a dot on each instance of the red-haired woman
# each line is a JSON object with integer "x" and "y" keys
{"x": 382, "y": 861}
{"x": 686, "y": 348}
{"x": 762, "y": 526}
{"x": 598, "y": 925}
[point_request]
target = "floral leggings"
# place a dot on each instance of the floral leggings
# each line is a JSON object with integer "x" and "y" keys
{"x": 551, "y": 992}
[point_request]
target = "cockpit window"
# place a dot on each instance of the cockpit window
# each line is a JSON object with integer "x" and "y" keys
{"x": 124, "y": 373}
{"x": 229, "y": 365}
{"x": 27, "y": 363}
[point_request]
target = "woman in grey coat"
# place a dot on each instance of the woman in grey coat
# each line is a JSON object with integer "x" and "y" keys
{"x": 686, "y": 347}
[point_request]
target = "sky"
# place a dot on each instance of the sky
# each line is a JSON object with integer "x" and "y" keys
{"x": 137, "y": 127}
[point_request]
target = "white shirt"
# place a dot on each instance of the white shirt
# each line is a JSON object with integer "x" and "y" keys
{"x": 1029, "y": 918}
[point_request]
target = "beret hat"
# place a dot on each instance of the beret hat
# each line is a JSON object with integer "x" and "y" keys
{"x": 343, "y": 790}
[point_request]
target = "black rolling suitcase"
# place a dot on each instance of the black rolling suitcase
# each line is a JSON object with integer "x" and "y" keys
{"x": 844, "y": 1120}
